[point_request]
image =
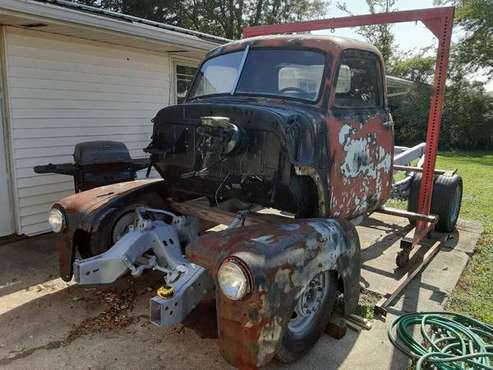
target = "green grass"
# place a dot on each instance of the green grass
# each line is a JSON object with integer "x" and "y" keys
{"x": 474, "y": 292}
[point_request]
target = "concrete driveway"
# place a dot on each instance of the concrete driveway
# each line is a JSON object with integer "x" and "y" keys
{"x": 47, "y": 323}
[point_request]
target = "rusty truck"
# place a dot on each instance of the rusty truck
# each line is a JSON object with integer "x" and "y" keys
{"x": 295, "y": 124}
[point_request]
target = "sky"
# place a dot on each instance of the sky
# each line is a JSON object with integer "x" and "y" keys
{"x": 409, "y": 36}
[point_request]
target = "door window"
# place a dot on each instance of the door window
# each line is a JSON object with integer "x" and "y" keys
{"x": 359, "y": 81}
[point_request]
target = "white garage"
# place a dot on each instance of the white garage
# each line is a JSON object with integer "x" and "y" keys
{"x": 71, "y": 75}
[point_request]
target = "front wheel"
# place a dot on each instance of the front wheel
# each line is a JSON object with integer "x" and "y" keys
{"x": 117, "y": 224}
{"x": 310, "y": 316}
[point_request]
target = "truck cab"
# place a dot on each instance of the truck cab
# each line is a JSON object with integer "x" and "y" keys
{"x": 298, "y": 123}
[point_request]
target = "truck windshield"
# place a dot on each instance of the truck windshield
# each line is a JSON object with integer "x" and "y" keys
{"x": 273, "y": 72}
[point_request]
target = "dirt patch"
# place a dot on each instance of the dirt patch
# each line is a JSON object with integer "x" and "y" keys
{"x": 116, "y": 314}
{"x": 113, "y": 311}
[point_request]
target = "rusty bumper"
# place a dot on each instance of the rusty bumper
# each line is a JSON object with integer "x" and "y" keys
{"x": 281, "y": 260}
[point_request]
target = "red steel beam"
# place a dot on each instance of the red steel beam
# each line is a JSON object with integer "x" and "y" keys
{"x": 439, "y": 21}
{"x": 424, "y": 15}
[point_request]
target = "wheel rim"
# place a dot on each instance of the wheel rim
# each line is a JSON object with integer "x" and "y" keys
{"x": 455, "y": 205}
{"x": 122, "y": 226}
{"x": 309, "y": 304}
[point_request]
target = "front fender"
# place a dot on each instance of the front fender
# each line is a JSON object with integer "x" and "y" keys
{"x": 282, "y": 259}
{"x": 87, "y": 210}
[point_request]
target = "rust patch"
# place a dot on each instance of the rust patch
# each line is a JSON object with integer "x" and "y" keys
{"x": 85, "y": 211}
{"x": 360, "y": 176}
{"x": 280, "y": 262}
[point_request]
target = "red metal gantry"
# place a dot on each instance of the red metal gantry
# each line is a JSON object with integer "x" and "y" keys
{"x": 439, "y": 21}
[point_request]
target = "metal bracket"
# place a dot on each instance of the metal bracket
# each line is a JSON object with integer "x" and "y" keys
{"x": 129, "y": 253}
{"x": 189, "y": 291}
{"x": 188, "y": 281}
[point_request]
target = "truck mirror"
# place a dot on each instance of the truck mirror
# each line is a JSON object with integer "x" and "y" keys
{"x": 343, "y": 85}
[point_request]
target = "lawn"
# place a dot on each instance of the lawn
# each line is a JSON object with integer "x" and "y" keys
{"x": 474, "y": 292}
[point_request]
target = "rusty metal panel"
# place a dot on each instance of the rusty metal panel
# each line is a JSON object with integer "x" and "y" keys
{"x": 82, "y": 213}
{"x": 281, "y": 259}
{"x": 361, "y": 152}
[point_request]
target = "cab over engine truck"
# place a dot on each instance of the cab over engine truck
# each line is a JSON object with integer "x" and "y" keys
{"x": 295, "y": 123}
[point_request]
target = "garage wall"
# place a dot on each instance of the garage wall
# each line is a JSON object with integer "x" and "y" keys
{"x": 65, "y": 90}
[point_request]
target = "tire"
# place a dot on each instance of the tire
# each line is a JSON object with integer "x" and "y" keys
{"x": 299, "y": 337}
{"x": 445, "y": 202}
{"x": 106, "y": 236}
{"x": 413, "y": 198}
{"x": 305, "y": 196}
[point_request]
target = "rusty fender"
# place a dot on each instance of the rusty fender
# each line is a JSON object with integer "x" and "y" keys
{"x": 282, "y": 259}
{"x": 89, "y": 211}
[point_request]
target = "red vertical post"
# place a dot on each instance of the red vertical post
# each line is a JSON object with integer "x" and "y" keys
{"x": 442, "y": 28}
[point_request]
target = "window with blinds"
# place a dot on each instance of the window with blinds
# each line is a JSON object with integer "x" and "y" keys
{"x": 184, "y": 76}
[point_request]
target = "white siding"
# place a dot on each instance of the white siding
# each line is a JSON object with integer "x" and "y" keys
{"x": 65, "y": 90}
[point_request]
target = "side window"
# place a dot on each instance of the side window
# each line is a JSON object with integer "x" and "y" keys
{"x": 359, "y": 81}
{"x": 184, "y": 77}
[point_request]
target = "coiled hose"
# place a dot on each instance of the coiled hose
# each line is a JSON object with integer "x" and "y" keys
{"x": 444, "y": 340}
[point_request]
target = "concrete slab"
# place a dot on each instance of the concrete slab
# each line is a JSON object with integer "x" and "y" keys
{"x": 46, "y": 323}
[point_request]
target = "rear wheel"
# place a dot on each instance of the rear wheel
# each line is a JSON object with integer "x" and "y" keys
{"x": 310, "y": 316}
{"x": 446, "y": 200}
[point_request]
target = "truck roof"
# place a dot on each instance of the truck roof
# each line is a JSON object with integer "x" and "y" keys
{"x": 327, "y": 43}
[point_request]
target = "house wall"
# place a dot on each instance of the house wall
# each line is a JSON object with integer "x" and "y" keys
{"x": 6, "y": 208}
{"x": 62, "y": 91}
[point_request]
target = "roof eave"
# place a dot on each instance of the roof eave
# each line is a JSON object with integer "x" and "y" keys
{"x": 56, "y": 14}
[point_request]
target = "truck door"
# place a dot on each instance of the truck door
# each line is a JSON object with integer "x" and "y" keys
{"x": 361, "y": 138}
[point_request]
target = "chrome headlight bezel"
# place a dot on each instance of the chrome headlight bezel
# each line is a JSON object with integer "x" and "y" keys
{"x": 234, "y": 279}
{"x": 57, "y": 219}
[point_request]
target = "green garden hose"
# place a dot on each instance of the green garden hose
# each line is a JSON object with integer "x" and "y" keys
{"x": 443, "y": 340}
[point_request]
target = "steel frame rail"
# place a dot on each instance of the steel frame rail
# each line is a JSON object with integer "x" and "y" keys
{"x": 439, "y": 21}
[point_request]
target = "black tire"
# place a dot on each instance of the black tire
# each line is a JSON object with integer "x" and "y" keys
{"x": 413, "y": 198}
{"x": 104, "y": 238}
{"x": 305, "y": 196}
{"x": 445, "y": 202}
{"x": 295, "y": 344}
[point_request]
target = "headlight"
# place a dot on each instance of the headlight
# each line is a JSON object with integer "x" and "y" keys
{"x": 56, "y": 219}
{"x": 232, "y": 279}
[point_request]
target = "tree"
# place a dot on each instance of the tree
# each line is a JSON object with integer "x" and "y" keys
{"x": 379, "y": 35}
{"x": 467, "y": 119}
{"x": 417, "y": 68}
{"x": 475, "y": 48}
{"x": 475, "y": 51}
{"x": 225, "y": 18}
{"x": 410, "y": 112}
